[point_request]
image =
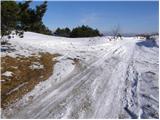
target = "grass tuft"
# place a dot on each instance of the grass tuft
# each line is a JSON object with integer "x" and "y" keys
{"x": 23, "y": 79}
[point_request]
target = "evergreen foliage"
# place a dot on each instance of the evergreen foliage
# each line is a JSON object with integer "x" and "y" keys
{"x": 9, "y": 12}
{"x": 19, "y": 16}
{"x": 82, "y": 31}
{"x": 63, "y": 32}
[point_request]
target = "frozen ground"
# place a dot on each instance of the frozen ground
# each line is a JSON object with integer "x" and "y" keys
{"x": 112, "y": 79}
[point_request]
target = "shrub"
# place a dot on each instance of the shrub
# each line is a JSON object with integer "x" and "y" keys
{"x": 64, "y": 32}
{"x": 84, "y": 31}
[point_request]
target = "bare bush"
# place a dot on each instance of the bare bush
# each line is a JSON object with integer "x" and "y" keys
{"x": 116, "y": 33}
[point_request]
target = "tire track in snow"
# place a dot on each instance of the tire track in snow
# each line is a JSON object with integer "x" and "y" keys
{"x": 134, "y": 97}
{"x": 93, "y": 92}
{"x": 37, "y": 108}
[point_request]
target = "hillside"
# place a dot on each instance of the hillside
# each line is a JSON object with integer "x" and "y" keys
{"x": 94, "y": 77}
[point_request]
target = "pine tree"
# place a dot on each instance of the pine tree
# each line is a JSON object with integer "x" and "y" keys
{"x": 24, "y": 15}
{"x": 40, "y": 10}
{"x": 84, "y": 31}
{"x": 64, "y": 32}
{"x": 19, "y": 17}
{"x": 9, "y": 16}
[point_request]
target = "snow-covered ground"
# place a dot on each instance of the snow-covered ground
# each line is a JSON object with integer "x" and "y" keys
{"x": 112, "y": 79}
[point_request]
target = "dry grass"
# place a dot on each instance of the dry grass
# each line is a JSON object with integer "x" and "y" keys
{"x": 23, "y": 76}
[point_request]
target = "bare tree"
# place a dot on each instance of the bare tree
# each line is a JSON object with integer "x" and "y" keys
{"x": 116, "y": 33}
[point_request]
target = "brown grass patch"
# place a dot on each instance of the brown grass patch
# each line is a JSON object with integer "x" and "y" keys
{"x": 23, "y": 78}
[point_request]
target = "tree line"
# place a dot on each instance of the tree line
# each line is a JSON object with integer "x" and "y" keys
{"x": 81, "y": 31}
{"x": 19, "y": 16}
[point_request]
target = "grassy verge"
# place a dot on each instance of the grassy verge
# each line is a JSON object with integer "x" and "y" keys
{"x": 26, "y": 73}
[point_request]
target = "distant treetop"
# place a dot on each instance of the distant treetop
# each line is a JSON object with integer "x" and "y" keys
{"x": 81, "y": 31}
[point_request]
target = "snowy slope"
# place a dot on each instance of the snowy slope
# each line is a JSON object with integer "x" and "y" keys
{"x": 113, "y": 79}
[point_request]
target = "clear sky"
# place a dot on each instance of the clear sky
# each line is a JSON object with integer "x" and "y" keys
{"x": 131, "y": 17}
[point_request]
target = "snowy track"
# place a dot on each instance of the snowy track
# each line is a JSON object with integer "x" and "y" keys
{"x": 115, "y": 80}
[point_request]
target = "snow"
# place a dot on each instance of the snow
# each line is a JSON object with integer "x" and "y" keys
{"x": 112, "y": 79}
{"x": 62, "y": 69}
{"x": 17, "y": 88}
{"x": 2, "y": 80}
{"x": 7, "y": 74}
{"x": 36, "y": 65}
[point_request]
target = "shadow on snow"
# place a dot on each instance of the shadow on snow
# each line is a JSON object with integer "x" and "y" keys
{"x": 148, "y": 43}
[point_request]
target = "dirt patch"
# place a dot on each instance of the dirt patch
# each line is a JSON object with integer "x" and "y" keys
{"x": 25, "y": 73}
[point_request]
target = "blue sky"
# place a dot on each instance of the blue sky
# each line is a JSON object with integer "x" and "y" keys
{"x": 131, "y": 17}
